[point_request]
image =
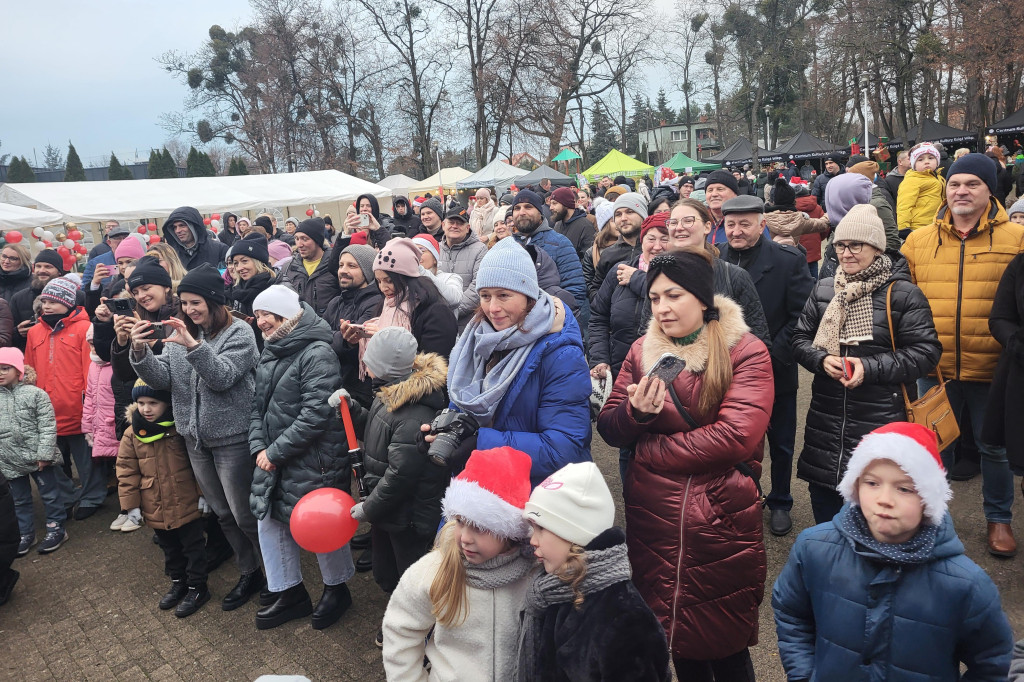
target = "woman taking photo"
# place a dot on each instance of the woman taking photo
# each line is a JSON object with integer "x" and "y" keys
{"x": 519, "y": 368}
{"x": 208, "y": 363}
{"x": 692, "y": 504}
{"x": 299, "y": 447}
{"x": 846, "y": 319}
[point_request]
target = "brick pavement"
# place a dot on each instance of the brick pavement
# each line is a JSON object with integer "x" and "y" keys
{"x": 89, "y": 611}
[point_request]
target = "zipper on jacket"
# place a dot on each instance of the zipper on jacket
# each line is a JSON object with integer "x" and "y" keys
{"x": 959, "y": 305}
{"x": 842, "y": 438}
{"x": 679, "y": 562}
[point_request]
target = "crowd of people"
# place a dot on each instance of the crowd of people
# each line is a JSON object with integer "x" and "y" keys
{"x": 206, "y": 381}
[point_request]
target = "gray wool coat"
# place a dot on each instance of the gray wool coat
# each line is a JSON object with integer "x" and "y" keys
{"x": 464, "y": 260}
{"x": 217, "y": 379}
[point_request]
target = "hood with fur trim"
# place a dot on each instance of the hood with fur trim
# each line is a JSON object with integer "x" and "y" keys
{"x": 429, "y": 374}
{"x": 695, "y": 354}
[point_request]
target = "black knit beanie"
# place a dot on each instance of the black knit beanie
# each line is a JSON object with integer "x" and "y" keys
{"x": 314, "y": 228}
{"x": 53, "y": 258}
{"x": 148, "y": 271}
{"x": 783, "y": 194}
{"x": 723, "y": 177}
{"x": 206, "y": 281}
{"x": 256, "y": 248}
{"x": 690, "y": 271}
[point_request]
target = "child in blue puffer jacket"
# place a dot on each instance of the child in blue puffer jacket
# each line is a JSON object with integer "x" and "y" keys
{"x": 884, "y": 591}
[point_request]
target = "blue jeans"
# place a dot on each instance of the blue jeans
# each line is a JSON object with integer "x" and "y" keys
{"x": 48, "y": 481}
{"x": 813, "y": 267}
{"x": 825, "y": 502}
{"x": 92, "y": 475}
{"x": 281, "y": 558}
{"x": 996, "y": 477}
{"x": 781, "y": 443}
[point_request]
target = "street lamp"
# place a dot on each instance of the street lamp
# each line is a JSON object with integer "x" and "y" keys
{"x": 864, "y": 81}
{"x": 768, "y": 126}
{"x": 440, "y": 185}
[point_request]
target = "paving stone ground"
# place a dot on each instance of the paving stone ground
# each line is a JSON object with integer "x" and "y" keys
{"x": 89, "y": 611}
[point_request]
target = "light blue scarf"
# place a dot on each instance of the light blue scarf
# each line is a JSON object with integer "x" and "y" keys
{"x": 475, "y": 390}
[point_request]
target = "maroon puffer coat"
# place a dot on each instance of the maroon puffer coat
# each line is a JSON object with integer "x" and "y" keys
{"x": 693, "y": 520}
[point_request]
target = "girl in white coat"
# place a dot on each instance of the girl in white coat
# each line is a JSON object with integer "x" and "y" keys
{"x": 459, "y": 605}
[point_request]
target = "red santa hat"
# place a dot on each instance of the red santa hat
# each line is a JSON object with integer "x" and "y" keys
{"x": 913, "y": 448}
{"x": 491, "y": 492}
{"x": 796, "y": 181}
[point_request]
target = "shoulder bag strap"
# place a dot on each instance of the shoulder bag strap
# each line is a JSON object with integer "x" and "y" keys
{"x": 892, "y": 339}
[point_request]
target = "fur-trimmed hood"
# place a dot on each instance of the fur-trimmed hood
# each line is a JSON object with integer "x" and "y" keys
{"x": 429, "y": 374}
{"x": 29, "y": 376}
{"x": 657, "y": 343}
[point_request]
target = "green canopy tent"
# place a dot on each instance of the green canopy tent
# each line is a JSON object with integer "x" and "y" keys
{"x": 680, "y": 162}
{"x": 568, "y": 155}
{"x": 616, "y": 163}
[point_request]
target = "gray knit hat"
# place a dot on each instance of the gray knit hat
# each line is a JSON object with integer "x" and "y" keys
{"x": 634, "y": 202}
{"x": 508, "y": 266}
{"x": 434, "y": 205}
{"x": 65, "y": 292}
{"x": 390, "y": 353}
{"x": 364, "y": 256}
{"x": 1017, "y": 207}
{"x": 862, "y": 224}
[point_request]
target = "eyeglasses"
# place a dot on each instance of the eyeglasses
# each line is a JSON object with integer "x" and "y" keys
{"x": 852, "y": 247}
{"x": 10, "y": 259}
{"x": 688, "y": 221}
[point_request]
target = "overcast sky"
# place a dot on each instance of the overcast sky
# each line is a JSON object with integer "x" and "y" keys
{"x": 86, "y": 71}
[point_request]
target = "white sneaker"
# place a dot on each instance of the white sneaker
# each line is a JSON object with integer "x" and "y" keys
{"x": 119, "y": 521}
{"x": 131, "y": 523}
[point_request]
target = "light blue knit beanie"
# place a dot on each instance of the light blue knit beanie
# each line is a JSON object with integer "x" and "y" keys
{"x": 508, "y": 266}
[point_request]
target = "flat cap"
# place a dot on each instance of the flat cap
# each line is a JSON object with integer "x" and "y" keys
{"x": 744, "y": 203}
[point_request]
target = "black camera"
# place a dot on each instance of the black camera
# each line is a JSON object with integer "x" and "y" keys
{"x": 453, "y": 429}
{"x": 121, "y": 306}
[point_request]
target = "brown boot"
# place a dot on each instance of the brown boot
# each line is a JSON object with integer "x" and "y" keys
{"x": 1000, "y": 540}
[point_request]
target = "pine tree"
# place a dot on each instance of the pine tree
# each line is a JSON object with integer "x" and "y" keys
{"x": 153, "y": 169}
{"x": 641, "y": 119}
{"x": 603, "y": 138}
{"x": 20, "y": 171}
{"x": 170, "y": 168}
{"x": 116, "y": 171}
{"x": 161, "y": 165}
{"x": 205, "y": 166}
{"x": 73, "y": 170}
{"x": 237, "y": 167}
{"x": 662, "y": 111}
{"x": 192, "y": 163}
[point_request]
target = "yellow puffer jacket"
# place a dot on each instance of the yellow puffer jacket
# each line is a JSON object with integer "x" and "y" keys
{"x": 961, "y": 303}
{"x": 919, "y": 198}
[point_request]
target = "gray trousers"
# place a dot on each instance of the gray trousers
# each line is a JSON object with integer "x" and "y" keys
{"x": 224, "y": 475}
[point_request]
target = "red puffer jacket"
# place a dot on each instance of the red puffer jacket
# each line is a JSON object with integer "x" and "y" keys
{"x": 693, "y": 519}
{"x": 61, "y": 360}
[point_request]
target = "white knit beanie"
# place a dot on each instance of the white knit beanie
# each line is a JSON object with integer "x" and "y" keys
{"x": 574, "y": 503}
{"x": 278, "y": 300}
{"x": 861, "y": 224}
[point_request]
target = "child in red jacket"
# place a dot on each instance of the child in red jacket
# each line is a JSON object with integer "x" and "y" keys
{"x": 57, "y": 348}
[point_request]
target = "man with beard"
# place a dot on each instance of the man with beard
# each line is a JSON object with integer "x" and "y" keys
{"x": 533, "y": 228}
{"x": 48, "y": 265}
{"x": 356, "y": 303}
{"x": 310, "y": 274}
{"x": 405, "y": 221}
{"x": 572, "y": 222}
{"x": 630, "y": 211}
{"x": 184, "y": 230}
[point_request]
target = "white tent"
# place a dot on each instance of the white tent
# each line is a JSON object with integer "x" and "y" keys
{"x": 21, "y": 218}
{"x": 127, "y": 199}
{"x": 450, "y": 176}
{"x": 495, "y": 174}
{"x": 398, "y": 184}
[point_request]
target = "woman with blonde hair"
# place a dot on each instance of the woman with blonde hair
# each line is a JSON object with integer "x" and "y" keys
{"x": 501, "y": 226}
{"x": 169, "y": 261}
{"x": 607, "y": 234}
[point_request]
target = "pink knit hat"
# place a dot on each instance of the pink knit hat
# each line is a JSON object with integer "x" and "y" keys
{"x": 401, "y": 256}
{"x": 278, "y": 249}
{"x": 129, "y": 248}
{"x": 12, "y": 357}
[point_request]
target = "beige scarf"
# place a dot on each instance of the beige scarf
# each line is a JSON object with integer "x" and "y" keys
{"x": 848, "y": 317}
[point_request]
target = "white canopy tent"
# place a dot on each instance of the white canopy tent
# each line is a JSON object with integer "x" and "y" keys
{"x": 21, "y": 218}
{"x": 497, "y": 174}
{"x": 128, "y": 199}
{"x": 450, "y": 177}
{"x": 398, "y": 184}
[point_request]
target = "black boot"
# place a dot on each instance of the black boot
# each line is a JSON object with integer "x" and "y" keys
{"x": 267, "y": 597}
{"x": 334, "y": 602}
{"x": 174, "y": 595}
{"x": 196, "y": 597}
{"x": 291, "y": 604}
{"x": 361, "y": 541}
{"x": 7, "y": 581}
{"x": 365, "y": 562}
{"x": 248, "y": 585}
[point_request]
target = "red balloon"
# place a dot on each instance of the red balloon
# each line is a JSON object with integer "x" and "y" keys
{"x": 322, "y": 521}
{"x": 74, "y": 235}
{"x": 47, "y": 244}
{"x": 216, "y": 216}
{"x": 151, "y": 227}
{"x": 154, "y": 239}
{"x": 81, "y": 249}
{"x": 309, "y": 212}
{"x": 64, "y": 251}
{"x": 13, "y": 237}
{"x": 141, "y": 229}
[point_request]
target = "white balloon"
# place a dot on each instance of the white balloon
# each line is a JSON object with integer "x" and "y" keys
{"x": 48, "y": 236}
{"x": 40, "y": 246}
{"x": 37, "y": 232}
{"x": 316, "y": 214}
{"x": 70, "y": 243}
{"x": 215, "y": 224}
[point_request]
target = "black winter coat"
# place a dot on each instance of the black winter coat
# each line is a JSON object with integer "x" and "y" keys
{"x": 13, "y": 282}
{"x": 292, "y": 421}
{"x": 317, "y": 289}
{"x": 205, "y": 249}
{"x": 405, "y": 486}
{"x": 434, "y": 326}
{"x": 1003, "y": 423}
{"x": 615, "y": 318}
{"x": 619, "y": 252}
{"x": 407, "y": 225}
{"x": 612, "y": 636}
{"x": 578, "y": 229}
{"x": 355, "y": 306}
{"x": 838, "y": 417}
{"x": 10, "y": 536}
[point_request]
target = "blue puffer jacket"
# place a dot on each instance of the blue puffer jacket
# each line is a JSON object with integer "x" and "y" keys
{"x": 839, "y": 611}
{"x": 546, "y": 412}
{"x": 570, "y": 269}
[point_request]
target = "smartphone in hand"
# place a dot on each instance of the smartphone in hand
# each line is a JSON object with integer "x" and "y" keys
{"x": 847, "y": 368}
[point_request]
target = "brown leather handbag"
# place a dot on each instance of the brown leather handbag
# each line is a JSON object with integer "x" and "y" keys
{"x": 932, "y": 409}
